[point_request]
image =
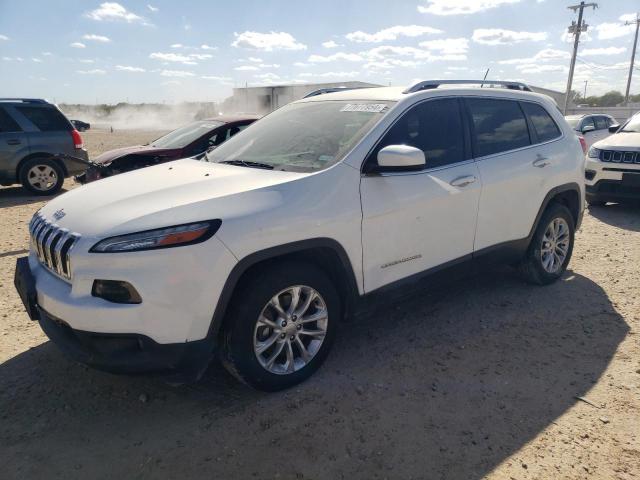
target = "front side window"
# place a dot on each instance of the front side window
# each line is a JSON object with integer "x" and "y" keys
{"x": 587, "y": 122}
{"x": 546, "y": 129}
{"x": 302, "y": 137}
{"x": 601, "y": 123}
{"x": 435, "y": 127}
{"x": 47, "y": 119}
{"x": 499, "y": 126}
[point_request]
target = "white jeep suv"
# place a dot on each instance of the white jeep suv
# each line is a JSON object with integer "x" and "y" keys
{"x": 260, "y": 251}
{"x": 612, "y": 172}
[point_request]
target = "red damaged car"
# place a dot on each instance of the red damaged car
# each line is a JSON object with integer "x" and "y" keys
{"x": 189, "y": 141}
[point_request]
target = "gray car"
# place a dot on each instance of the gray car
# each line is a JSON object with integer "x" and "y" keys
{"x": 34, "y": 138}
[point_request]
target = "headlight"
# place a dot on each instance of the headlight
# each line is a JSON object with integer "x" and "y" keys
{"x": 594, "y": 153}
{"x": 159, "y": 238}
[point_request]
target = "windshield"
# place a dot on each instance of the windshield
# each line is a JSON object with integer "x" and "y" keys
{"x": 633, "y": 125}
{"x": 573, "y": 121}
{"x": 183, "y": 136}
{"x": 302, "y": 137}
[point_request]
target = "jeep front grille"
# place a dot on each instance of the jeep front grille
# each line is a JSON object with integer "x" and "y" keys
{"x": 52, "y": 245}
{"x": 616, "y": 156}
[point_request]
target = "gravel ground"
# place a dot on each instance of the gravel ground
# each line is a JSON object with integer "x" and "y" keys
{"x": 468, "y": 378}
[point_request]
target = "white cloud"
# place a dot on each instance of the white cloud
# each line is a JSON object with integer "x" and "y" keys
{"x": 95, "y": 71}
{"x": 4, "y": 37}
{"x": 7, "y": 59}
{"x": 176, "y": 73}
{"x": 189, "y": 59}
{"x": 207, "y": 47}
{"x": 267, "y": 42}
{"x": 447, "y": 46}
{"x": 113, "y": 11}
{"x": 171, "y": 82}
{"x": 607, "y": 31}
{"x": 176, "y": 45}
{"x": 269, "y": 65}
{"x": 216, "y": 78}
{"x": 536, "y": 68}
{"x": 125, "y": 68}
{"x": 602, "y": 51}
{"x": 498, "y": 36}
{"x": 340, "y": 56}
{"x": 541, "y": 56}
{"x": 247, "y": 68}
{"x": 200, "y": 56}
{"x": 46, "y": 54}
{"x": 96, "y": 38}
{"x": 36, "y": 60}
{"x": 330, "y": 44}
{"x": 267, "y": 76}
{"x": 152, "y": 8}
{"x": 86, "y": 60}
{"x": 254, "y": 59}
{"x": 391, "y": 33}
{"x": 77, "y": 45}
{"x": 460, "y": 7}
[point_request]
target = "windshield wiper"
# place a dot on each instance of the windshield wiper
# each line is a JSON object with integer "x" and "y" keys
{"x": 247, "y": 163}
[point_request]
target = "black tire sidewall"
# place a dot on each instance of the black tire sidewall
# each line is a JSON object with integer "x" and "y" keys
{"x": 250, "y": 299}
{"x": 534, "y": 257}
{"x": 29, "y": 164}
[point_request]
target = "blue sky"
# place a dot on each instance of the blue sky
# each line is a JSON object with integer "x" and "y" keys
{"x": 166, "y": 50}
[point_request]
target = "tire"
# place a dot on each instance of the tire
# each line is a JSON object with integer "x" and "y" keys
{"x": 595, "y": 202}
{"x": 242, "y": 329}
{"x": 41, "y": 176}
{"x": 537, "y": 267}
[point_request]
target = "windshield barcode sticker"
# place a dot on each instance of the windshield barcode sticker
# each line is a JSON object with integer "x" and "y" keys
{"x": 364, "y": 107}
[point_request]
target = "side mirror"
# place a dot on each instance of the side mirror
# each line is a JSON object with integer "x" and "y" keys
{"x": 614, "y": 128}
{"x": 588, "y": 128}
{"x": 400, "y": 157}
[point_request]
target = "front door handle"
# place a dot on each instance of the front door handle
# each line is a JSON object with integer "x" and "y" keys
{"x": 463, "y": 181}
{"x": 13, "y": 141}
{"x": 541, "y": 162}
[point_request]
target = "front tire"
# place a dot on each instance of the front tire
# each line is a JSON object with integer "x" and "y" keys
{"x": 551, "y": 246}
{"x": 41, "y": 176}
{"x": 280, "y": 326}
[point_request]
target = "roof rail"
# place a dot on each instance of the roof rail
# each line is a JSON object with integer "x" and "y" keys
{"x": 429, "y": 84}
{"x": 322, "y": 91}
{"x": 23, "y": 100}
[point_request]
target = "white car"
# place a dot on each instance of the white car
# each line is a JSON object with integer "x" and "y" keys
{"x": 258, "y": 253}
{"x": 612, "y": 172}
{"x": 593, "y": 127}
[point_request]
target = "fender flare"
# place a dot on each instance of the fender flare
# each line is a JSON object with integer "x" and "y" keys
{"x": 272, "y": 253}
{"x": 567, "y": 187}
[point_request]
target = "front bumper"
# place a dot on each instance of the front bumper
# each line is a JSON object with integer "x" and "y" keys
{"x": 612, "y": 182}
{"x": 128, "y": 353}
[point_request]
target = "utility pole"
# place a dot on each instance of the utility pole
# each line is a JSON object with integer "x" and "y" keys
{"x": 585, "y": 89}
{"x": 633, "y": 57}
{"x": 576, "y": 29}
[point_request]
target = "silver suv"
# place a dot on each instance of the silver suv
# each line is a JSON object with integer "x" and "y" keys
{"x": 34, "y": 135}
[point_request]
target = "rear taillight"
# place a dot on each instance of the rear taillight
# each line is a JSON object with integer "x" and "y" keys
{"x": 583, "y": 144}
{"x": 77, "y": 139}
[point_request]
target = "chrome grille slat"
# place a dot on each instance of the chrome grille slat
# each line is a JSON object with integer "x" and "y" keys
{"x": 619, "y": 156}
{"x": 52, "y": 245}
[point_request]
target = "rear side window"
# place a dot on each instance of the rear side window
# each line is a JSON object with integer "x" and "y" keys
{"x": 45, "y": 118}
{"x": 435, "y": 127}
{"x": 8, "y": 124}
{"x": 499, "y": 126}
{"x": 546, "y": 129}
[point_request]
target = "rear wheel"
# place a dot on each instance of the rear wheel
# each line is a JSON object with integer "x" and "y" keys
{"x": 281, "y": 326}
{"x": 551, "y": 246}
{"x": 41, "y": 176}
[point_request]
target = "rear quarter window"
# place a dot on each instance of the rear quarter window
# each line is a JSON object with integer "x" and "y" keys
{"x": 545, "y": 127}
{"x": 47, "y": 119}
{"x": 499, "y": 126}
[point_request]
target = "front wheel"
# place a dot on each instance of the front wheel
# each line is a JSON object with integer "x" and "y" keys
{"x": 280, "y": 326}
{"x": 551, "y": 246}
{"x": 41, "y": 176}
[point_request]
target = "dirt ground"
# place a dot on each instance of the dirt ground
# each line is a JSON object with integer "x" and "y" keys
{"x": 477, "y": 377}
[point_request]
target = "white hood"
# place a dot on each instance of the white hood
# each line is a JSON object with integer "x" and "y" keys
{"x": 169, "y": 194}
{"x": 624, "y": 141}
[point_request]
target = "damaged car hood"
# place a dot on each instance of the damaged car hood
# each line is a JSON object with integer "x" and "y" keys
{"x": 173, "y": 193}
{"x": 111, "y": 155}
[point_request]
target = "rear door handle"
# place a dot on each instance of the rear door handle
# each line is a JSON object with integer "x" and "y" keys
{"x": 541, "y": 162}
{"x": 463, "y": 181}
{"x": 13, "y": 141}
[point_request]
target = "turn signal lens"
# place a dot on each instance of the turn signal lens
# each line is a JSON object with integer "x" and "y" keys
{"x": 159, "y": 238}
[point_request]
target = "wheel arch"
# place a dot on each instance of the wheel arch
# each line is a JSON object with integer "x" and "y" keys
{"x": 325, "y": 253}
{"x": 46, "y": 155}
{"x": 568, "y": 195}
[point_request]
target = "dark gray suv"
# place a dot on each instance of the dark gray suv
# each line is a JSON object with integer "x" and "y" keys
{"x": 34, "y": 135}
